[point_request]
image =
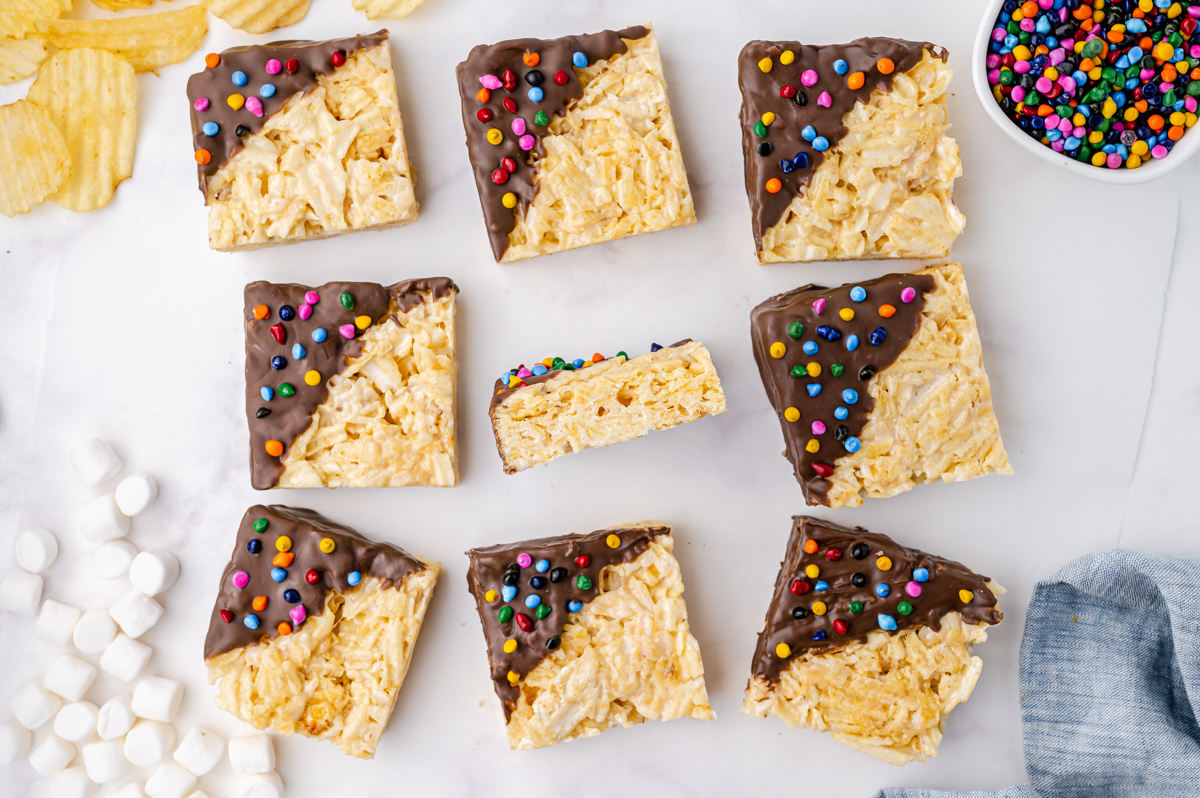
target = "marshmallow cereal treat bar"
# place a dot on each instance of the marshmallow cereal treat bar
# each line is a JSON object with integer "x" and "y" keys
{"x": 314, "y": 627}
{"x": 559, "y": 407}
{"x": 300, "y": 140}
{"x": 846, "y": 151}
{"x": 585, "y": 632}
{"x": 571, "y": 141}
{"x": 869, "y": 640}
{"x": 879, "y": 386}
{"x": 352, "y": 384}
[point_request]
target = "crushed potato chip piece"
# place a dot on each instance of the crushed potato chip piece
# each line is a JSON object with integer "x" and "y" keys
{"x": 121, "y": 5}
{"x": 258, "y": 16}
{"x": 387, "y": 9}
{"x": 18, "y": 18}
{"x": 92, "y": 97}
{"x": 147, "y": 42}
{"x": 34, "y": 159}
{"x": 20, "y": 58}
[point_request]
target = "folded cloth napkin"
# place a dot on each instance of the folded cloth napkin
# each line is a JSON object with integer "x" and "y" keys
{"x": 1110, "y": 676}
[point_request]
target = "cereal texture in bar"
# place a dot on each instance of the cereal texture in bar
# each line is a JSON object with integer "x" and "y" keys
{"x": 351, "y": 384}
{"x": 314, "y": 627}
{"x": 869, "y": 640}
{"x": 555, "y": 407}
{"x": 587, "y": 632}
{"x": 879, "y": 386}
{"x": 300, "y": 140}
{"x": 571, "y": 141}
{"x": 846, "y": 151}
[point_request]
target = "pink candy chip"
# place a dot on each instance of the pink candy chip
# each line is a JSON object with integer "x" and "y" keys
{"x": 526, "y": 142}
{"x": 809, "y": 77}
{"x": 304, "y": 311}
{"x": 312, "y": 297}
{"x": 298, "y": 614}
{"x": 518, "y": 126}
{"x": 201, "y": 105}
{"x": 254, "y": 106}
{"x": 825, "y": 100}
{"x": 347, "y": 330}
{"x": 908, "y": 295}
{"x": 524, "y": 560}
{"x": 491, "y": 82}
{"x": 524, "y": 372}
{"x": 818, "y": 427}
{"x": 241, "y": 579}
{"x": 273, "y": 66}
{"x": 913, "y": 589}
{"x": 819, "y": 305}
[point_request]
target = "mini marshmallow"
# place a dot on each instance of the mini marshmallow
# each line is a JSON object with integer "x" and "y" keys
{"x": 153, "y": 572}
{"x": 56, "y": 622}
{"x": 37, "y": 548}
{"x": 253, "y": 753}
{"x": 69, "y": 677}
{"x": 20, "y": 592}
{"x": 200, "y": 750}
{"x": 94, "y": 631}
{"x": 136, "y": 613}
{"x": 72, "y": 783}
{"x": 172, "y": 780}
{"x": 112, "y": 560}
{"x": 115, "y": 718}
{"x": 148, "y": 743}
{"x": 104, "y": 761}
{"x": 156, "y": 698}
{"x": 76, "y": 723}
{"x": 33, "y": 707}
{"x": 125, "y": 657}
{"x": 52, "y": 756}
{"x": 100, "y": 519}
{"x": 263, "y": 785}
{"x": 130, "y": 790}
{"x": 95, "y": 462}
{"x": 135, "y": 493}
{"x": 14, "y": 741}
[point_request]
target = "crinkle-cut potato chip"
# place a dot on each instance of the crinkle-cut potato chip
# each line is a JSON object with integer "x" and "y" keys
{"x": 386, "y": 9}
{"x": 34, "y": 159}
{"x": 92, "y": 97}
{"x": 146, "y": 42}
{"x": 20, "y": 58}
{"x": 258, "y": 16}
{"x": 121, "y": 5}
{"x": 18, "y": 18}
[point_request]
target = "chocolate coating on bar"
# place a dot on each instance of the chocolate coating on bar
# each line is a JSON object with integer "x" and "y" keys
{"x": 769, "y": 323}
{"x": 487, "y": 572}
{"x": 216, "y": 84}
{"x": 554, "y": 55}
{"x": 288, "y": 417}
{"x": 306, "y": 529}
{"x": 760, "y": 94}
{"x": 939, "y": 595}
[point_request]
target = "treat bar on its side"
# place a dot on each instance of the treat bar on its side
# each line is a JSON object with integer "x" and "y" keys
{"x": 300, "y": 140}
{"x": 314, "y": 627}
{"x": 352, "y": 384}
{"x": 585, "y": 632}
{"x": 558, "y": 408}
{"x": 846, "y": 151}
{"x": 879, "y": 386}
{"x": 571, "y": 141}
{"x": 869, "y": 640}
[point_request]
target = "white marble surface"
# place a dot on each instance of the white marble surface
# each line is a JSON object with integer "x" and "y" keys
{"x": 122, "y": 324}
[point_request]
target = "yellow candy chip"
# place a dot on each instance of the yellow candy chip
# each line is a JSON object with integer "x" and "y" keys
{"x": 787, "y": 57}
{"x": 813, "y": 571}
{"x": 1021, "y": 53}
{"x": 612, "y": 541}
{"x": 283, "y": 543}
{"x": 814, "y": 369}
{"x": 966, "y": 596}
{"x": 1139, "y": 148}
{"x": 778, "y": 350}
{"x": 327, "y": 545}
{"x": 513, "y": 677}
{"x": 766, "y": 64}
{"x": 509, "y": 200}
{"x": 491, "y": 596}
{"x": 312, "y": 377}
{"x": 1174, "y": 10}
{"x": 362, "y": 322}
{"x": 494, "y": 136}
{"x": 783, "y": 651}
{"x": 884, "y": 563}
{"x": 813, "y": 446}
{"x": 819, "y": 608}
{"x": 846, "y": 313}
{"x": 1095, "y": 73}
{"x": 768, "y": 117}
{"x": 510, "y": 646}
{"x": 236, "y": 101}
{"x": 1099, "y": 159}
{"x": 1133, "y": 162}
{"x": 792, "y": 414}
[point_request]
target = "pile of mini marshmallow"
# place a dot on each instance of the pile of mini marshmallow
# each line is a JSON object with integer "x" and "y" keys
{"x": 129, "y": 729}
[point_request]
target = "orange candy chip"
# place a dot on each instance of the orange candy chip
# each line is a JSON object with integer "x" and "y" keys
{"x": 203, "y": 157}
{"x": 212, "y": 60}
{"x": 887, "y": 311}
{"x": 274, "y": 448}
{"x": 261, "y": 312}
{"x": 856, "y": 80}
{"x": 532, "y": 59}
{"x": 260, "y": 603}
{"x": 774, "y": 185}
{"x": 285, "y": 628}
{"x": 885, "y": 66}
{"x": 284, "y": 559}
{"x": 811, "y": 546}
{"x": 483, "y": 96}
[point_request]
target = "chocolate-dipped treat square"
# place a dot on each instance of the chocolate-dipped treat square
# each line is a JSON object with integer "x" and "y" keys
{"x": 556, "y": 407}
{"x": 869, "y": 640}
{"x": 846, "y": 151}
{"x": 585, "y": 632}
{"x": 299, "y": 140}
{"x": 314, "y": 627}
{"x": 352, "y": 384}
{"x": 571, "y": 141}
{"x": 879, "y": 385}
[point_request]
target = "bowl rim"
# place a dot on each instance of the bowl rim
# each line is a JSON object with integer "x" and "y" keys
{"x": 1151, "y": 170}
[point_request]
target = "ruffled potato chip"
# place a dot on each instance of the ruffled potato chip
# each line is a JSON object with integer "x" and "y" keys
{"x": 386, "y": 9}
{"x": 258, "y": 16}
{"x": 146, "y": 42}
{"x": 19, "y": 18}
{"x": 20, "y": 58}
{"x": 121, "y": 5}
{"x": 34, "y": 160}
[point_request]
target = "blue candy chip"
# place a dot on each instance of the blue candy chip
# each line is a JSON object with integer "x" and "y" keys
{"x": 786, "y": 166}
{"x": 536, "y": 94}
{"x": 809, "y": 133}
{"x": 254, "y": 546}
{"x": 291, "y": 596}
{"x": 211, "y": 128}
{"x": 319, "y": 334}
{"x": 801, "y": 160}
{"x": 828, "y": 333}
{"x": 267, "y": 393}
{"x": 820, "y": 635}
{"x": 821, "y": 586}
{"x": 841, "y": 67}
{"x": 508, "y": 592}
{"x": 877, "y": 336}
{"x": 354, "y": 578}
{"x": 850, "y": 396}
{"x": 655, "y": 347}
{"x": 920, "y": 574}
{"x": 841, "y": 413}
{"x": 858, "y": 293}
{"x": 278, "y": 362}
{"x": 887, "y": 622}
{"x": 533, "y": 600}
{"x": 286, "y": 312}
{"x": 574, "y": 606}
{"x": 266, "y": 90}
{"x": 852, "y": 444}
{"x": 810, "y": 347}
{"x": 541, "y": 566}
{"x": 852, "y": 343}
{"x": 577, "y": 363}
{"x": 820, "y": 144}
{"x": 537, "y": 582}
{"x": 579, "y": 60}
{"x": 239, "y": 78}
{"x": 814, "y": 388}
{"x": 882, "y": 590}
{"x": 251, "y": 621}
{"x": 278, "y": 574}
{"x": 539, "y": 370}
{"x": 298, "y": 351}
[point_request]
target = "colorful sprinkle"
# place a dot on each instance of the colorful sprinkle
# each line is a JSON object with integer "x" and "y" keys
{"x": 885, "y": 66}
{"x": 613, "y": 541}
{"x": 579, "y": 60}
{"x": 819, "y": 306}
{"x": 921, "y": 574}
{"x": 524, "y": 560}
{"x": 574, "y": 606}
{"x": 286, "y": 389}
{"x": 241, "y": 578}
{"x": 312, "y": 577}
{"x": 266, "y": 90}
{"x": 908, "y": 295}
{"x": 809, "y": 78}
{"x": 532, "y": 600}
{"x": 354, "y": 578}
{"x": 284, "y": 559}
{"x": 260, "y": 525}
{"x": 327, "y": 545}
{"x": 877, "y": 336}
{"x": 561, "y": 77}
{"x": 851, "y": 343}
{"x": 813, "y": 446}
{"x": 795, "y": 329}
{"x": 792, "y": 414}
{"x": 965, "y": 596}
{"x": 884, "y": 563}
{"x": 505, "y": 614}
{"x": 254, "y": 106}
{"x": 819, "y": 608}
{"x": 274, "y": 448}
{"x": 812, "y": 571}
{"x": 583, "y": 560}
{"x": 278, "y": 574}
{"x": 887, "y": 623}
{"x": 824, "y": 100}
{"x": 251, "y": 621}
{"x": 212, "y": 60}
{"x": 510, "y": 646}
{"x": 273, "y": 66}
{"x": 254, "y": 546}
{"x": 810, "y": 347}
{"x": 583, "y": 582}
{"x": 766, "y": 64}
{"x": 210, "y": 128}
{"x": 337, "y": 58}
{"x": 818, "y": 428}
{"x": 203, "y": 157}
{"x": 841, "y": 67}
{"x": 850, "y": 396}
{"x": 347, "y": 330}
{"x": 855, "y": 81}
{"x": 291, "y": 596}
{"x": 239, "y": 78}
{"x": 292, "y": 65}
{"x": 852, "y": 444}
{"x": 774, "y": 185}
{"x": 887, "y": 311}
{"x": 284, "y": 629}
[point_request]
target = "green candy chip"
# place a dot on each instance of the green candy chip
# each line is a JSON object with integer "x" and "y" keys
{"x": 795, "y": 329}
{"x": 347, "y": 300}
{"x": 505, "y": 615}
{"x": 260, "y": 525}
{"x": 583, "y": 582}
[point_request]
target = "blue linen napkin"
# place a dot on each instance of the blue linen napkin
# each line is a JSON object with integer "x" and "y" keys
{"x": 1110, "y": 670}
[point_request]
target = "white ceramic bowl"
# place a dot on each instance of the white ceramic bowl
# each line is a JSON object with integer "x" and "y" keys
{"x": 1184, "y": 149}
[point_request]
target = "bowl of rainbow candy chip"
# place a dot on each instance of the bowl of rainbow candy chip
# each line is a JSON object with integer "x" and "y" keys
{"x": 1105, "y": 88}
